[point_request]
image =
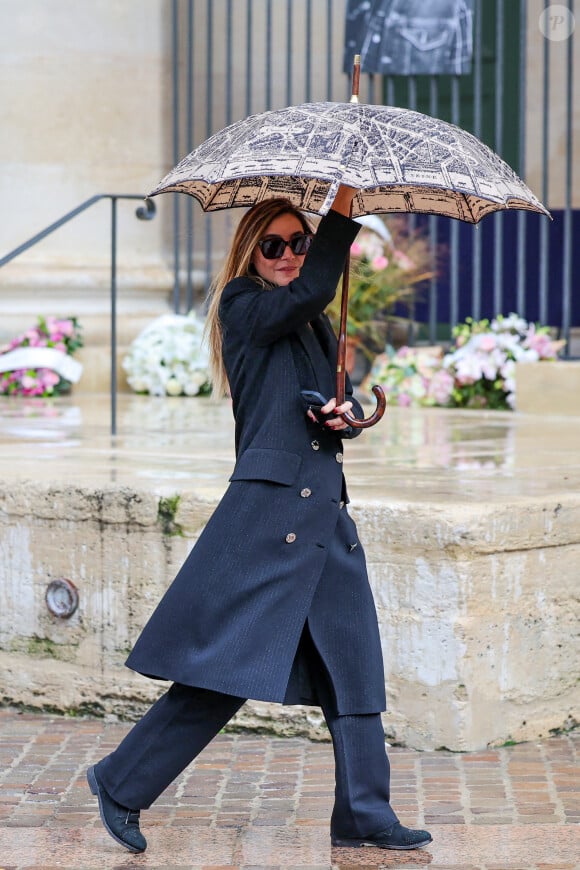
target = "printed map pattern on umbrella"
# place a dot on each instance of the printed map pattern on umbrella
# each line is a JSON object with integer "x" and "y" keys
{"x": 398, "y": 159}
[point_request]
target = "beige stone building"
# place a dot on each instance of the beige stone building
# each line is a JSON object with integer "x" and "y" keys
{"x": 86, "y": 107}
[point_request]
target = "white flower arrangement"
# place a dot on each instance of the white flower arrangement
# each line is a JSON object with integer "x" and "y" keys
{"x": 484, "y": 358}
{"x": 478, "y": 371}
{"x": 169, "y": 358}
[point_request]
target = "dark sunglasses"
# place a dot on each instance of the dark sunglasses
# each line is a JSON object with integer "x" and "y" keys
{"x": 274, "y": 246}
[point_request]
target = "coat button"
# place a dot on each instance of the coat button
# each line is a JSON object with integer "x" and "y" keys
{"x": 315, "y": 445}
{"x": 290, "y": 538}
{"x": 338, "y": 457}
{"x": 305, "y": 493}
{"x": 341, "y": 505}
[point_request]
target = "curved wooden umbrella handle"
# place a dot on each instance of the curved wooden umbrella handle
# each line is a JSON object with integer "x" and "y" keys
{"x": 375, "y": 416}
{"x": 341, "y": 366}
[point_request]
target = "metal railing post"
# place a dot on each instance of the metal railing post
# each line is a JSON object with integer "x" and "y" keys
{"x": 145, "y": 212}
{"x": 113, "y": 315}
{"x": 568, "y": 180}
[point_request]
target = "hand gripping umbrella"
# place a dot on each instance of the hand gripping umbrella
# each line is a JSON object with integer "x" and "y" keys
{"x": 397, "y": 159}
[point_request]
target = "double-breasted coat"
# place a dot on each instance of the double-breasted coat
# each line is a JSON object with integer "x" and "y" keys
{"x": 280, "y": 550}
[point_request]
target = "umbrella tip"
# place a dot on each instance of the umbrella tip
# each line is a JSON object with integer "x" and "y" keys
{"x": 355, "y": 78}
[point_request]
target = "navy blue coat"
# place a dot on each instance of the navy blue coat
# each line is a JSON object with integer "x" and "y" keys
{"x": 280, "y": 548}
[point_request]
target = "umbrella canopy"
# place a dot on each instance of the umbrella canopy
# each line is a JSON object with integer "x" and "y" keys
{"x": 399, "y": 161}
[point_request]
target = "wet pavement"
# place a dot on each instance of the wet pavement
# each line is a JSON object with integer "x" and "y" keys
{"x": 255, "y": 801}
{"x": 412, "y": 455}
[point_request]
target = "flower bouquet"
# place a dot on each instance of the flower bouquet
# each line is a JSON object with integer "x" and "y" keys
{"x": 387, "y": 262}
{"x": 38, "y": 362}
{"x": 412, "y": 377}
{"x": 477, "y": 372}
{"x": 484, "y": 358}
{"x": 169, "y": 358}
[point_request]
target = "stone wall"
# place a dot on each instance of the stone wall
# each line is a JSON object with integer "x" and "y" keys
{"x": 556, "y": 101}
{"x": 477, "y": 604}
{"x": 85, "y": 91}
{"x": 84, "y": 95}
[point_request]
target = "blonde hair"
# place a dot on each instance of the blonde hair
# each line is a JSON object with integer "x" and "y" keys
{"x": 238, "y": 263}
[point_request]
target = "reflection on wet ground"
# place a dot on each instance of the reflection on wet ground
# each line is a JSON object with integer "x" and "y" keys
{"x": 428, "y": 454}
{"x": 256, "y": 802}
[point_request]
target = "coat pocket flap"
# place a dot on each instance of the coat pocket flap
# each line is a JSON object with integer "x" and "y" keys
{"x": 278, "y": 466}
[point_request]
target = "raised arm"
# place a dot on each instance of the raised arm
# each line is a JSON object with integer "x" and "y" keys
{"x": 343, "y": 200}
{"x": 266, "y": 315}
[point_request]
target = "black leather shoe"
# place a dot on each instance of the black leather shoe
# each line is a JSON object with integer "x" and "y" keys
{"x": 398, "y": 837}
{"x": 121, "y": 822}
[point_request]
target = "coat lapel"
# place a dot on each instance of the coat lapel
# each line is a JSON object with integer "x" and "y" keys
{"x": 326, "y": 341}
{"x": 318, "y": 350}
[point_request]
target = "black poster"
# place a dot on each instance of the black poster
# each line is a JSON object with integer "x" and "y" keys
{"x": 409, "y": 37}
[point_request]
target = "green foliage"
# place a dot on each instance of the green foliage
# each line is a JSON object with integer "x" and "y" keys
{"x": 387, "y": 264}
{"x": 166, "y": 513}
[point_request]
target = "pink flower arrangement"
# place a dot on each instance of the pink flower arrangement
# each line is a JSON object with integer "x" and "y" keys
{"x": 412, "y": 377}
{"x": 62, "y": 335}
{"x": 387, "y": 263}
{"x": 478, "y": 372}
{"x": 483, "y": 360}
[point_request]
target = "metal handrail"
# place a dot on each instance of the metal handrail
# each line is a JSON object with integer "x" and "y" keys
{"x": 145, "y": 212}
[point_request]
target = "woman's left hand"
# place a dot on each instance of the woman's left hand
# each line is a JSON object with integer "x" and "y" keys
{"x": 335, "y": 423}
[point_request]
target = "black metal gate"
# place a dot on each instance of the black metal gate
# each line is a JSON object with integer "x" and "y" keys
{"x": 231, "y": 59}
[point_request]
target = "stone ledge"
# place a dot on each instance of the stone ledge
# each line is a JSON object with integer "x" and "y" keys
{"x": 467, "y": 597}
{"x": 464, "y": 530}
{"x": 549, "y": 387}
{"x": 108, "y": 505}
{"x": 460, "y": 530}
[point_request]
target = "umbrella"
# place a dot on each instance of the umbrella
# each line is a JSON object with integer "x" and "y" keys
{"x": 399, "y": 160}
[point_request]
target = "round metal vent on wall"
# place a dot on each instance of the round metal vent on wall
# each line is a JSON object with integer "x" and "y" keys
{"x": 62, "y": 598}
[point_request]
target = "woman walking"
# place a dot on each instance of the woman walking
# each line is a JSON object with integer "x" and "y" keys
{"x": 275, "y": 591}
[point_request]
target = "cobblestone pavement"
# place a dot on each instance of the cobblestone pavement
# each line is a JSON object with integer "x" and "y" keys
{"x": 259, "y": 802}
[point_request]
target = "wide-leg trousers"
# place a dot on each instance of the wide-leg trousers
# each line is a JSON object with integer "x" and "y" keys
{"x": 185, "y": 719}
